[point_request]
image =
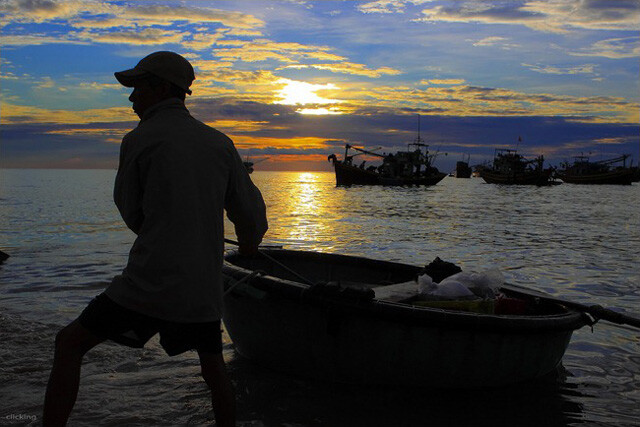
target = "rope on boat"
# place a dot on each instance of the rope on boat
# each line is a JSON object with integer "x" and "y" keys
{"x": 245, "y": 279}
{"x": 275, "y": 261}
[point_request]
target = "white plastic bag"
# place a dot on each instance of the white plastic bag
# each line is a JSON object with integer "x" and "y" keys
{"x": 426, "y": 285}
{"x": 483, "y": 284}
{"x": 452, "y": 289}
{"x": 447, "y": 289}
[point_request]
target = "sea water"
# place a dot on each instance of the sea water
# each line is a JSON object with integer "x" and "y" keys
{"x": 581, "y": 243}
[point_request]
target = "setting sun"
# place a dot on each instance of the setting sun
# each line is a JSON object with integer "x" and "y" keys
{"x": 303, "y": 93}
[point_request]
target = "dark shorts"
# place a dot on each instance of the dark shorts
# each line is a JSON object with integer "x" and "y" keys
{"x": 109, "y": 320}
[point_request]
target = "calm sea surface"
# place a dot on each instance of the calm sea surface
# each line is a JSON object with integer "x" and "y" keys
{"x": 66, "y": 241}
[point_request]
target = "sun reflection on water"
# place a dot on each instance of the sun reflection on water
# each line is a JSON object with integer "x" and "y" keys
{"x": 309, "y": 214}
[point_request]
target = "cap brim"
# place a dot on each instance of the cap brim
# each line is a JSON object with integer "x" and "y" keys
{"x": 128, "y": 78}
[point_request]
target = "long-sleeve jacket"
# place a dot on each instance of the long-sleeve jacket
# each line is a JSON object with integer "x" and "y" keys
{"x": 175, "y": 179}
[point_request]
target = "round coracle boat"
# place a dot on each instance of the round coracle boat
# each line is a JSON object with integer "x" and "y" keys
{"x": 350, "y": 319}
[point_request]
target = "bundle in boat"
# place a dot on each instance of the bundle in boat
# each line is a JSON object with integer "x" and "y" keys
{"x": 462, "y": 291}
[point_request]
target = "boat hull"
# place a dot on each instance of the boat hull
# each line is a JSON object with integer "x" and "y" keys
{"x": 347, "y": 175}
{"x": 615, "y": 177}
{"x": 281, "y": 326}
{"x": 526, "y": 178}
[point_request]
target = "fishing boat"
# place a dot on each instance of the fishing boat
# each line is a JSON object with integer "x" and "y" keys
{"x": 463, "y": 170}
{"x": 347, "y": 319}
{"x": 512, "y": 168}
{"x": 249, "y": 165}
{"x": 477, "y": 169}
{"x": 411, "y": 167}
{"x": 584, "y": 171}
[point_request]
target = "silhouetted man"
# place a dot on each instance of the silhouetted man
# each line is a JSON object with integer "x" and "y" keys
{"x": 175, "y": 179}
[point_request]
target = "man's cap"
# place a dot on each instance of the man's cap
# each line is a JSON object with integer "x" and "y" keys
{"x": 167, "y": 65}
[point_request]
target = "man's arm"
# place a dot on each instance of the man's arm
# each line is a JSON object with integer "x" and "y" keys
{"x": 127, "y": 192}
{"x": 245, "y": 208}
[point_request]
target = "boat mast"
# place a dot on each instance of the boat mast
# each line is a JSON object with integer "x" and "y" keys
{"x": 418, "y": 143}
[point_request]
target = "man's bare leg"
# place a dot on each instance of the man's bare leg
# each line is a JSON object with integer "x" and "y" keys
{"x": 72, "y": 343}
{"x": 223, "y": 397}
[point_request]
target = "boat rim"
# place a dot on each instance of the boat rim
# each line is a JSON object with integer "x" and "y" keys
{"x": 570, "y": 319}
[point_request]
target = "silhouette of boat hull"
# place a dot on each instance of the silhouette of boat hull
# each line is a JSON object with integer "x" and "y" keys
{"x": 347, "y": 175}
{"x": 615, "y": 177}
{"x": 582, "y": 171}
{"x": 524, "y": 178}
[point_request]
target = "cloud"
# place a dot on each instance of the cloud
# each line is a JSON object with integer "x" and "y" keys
{"x": 264, "y": 129}
{"x": 468, "y": 101}
{"x": 614, "y": 141}
{"x": 489, "y": 41}
{"x": 558, "y": 16}
{"x": 16, "y": 114}
{"x": 38, "y": 39}
{"x": 230, "y": 125}
{"x": 39, "y": 11}
{"x": 502, "y": 42}
{"x": 294, "y": 55}
{"x": 618, "y": 48}
{"x": 201, "y": 41}
{"x": 264, "y": 49}
{"x": 449, "y": 97}
{"x": 388, "y": 6}
{"x": 588, "y": 14}
{"x": 442, "y": 82}
{"x": 158, "y": 15}
{"x": 88, "y": 13}
{"x": 110, "y": 135}
{"x": 549, "y": 69}
{"x": 94, "y": 86}
{"x": 220, "y": 78}
{"x": 292, "y": 144}
{"x": 145, "y": 36}
{"x": 104, "y": 22}
{"x": 356, "y": 69}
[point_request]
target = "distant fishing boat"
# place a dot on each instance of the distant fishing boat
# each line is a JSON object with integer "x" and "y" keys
{"x": 345, "y": 319}
{"x": 583, "y": 171}
{"x": 411, "y": 167}
{"x": 249, "y": 165}
{"x": 463, "y": 170}
{"x": 511, "y": 168}
{"x": 477, "y": 169}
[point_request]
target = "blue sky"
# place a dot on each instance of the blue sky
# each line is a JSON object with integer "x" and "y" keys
{"x": 293, "y": 81}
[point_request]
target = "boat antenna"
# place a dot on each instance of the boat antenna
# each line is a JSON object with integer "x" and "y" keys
{"x": 418, "y": 140}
